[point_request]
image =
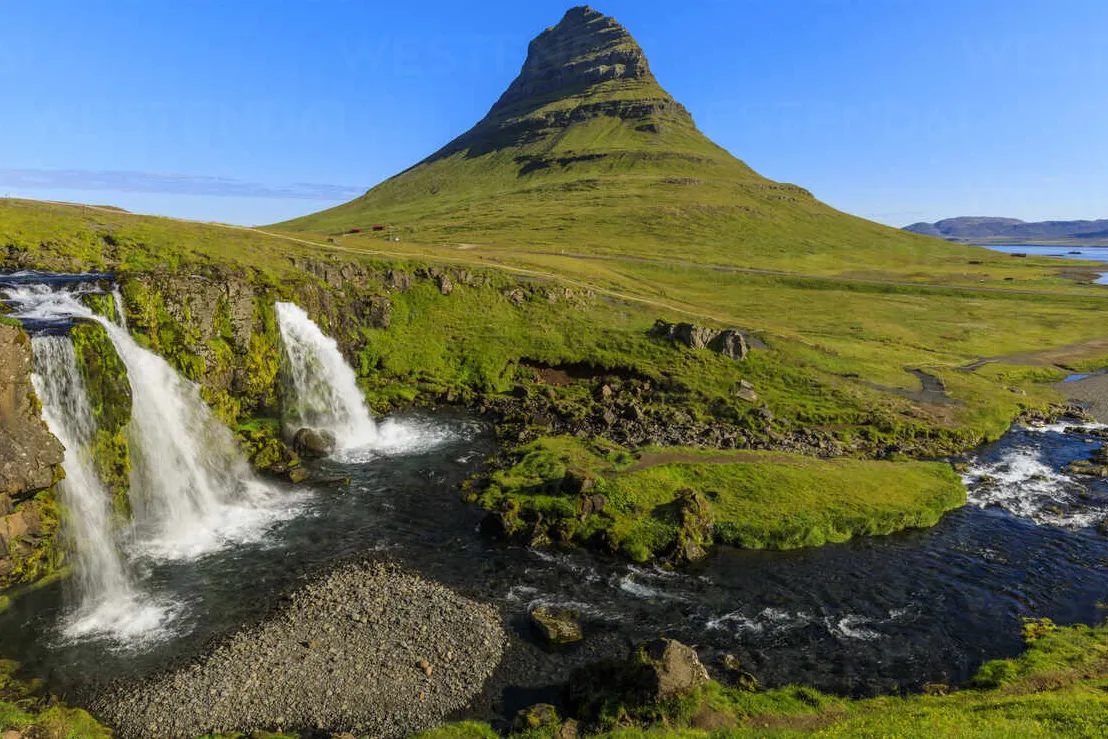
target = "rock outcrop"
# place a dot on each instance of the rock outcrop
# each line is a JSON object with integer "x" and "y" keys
{"x": 585, "y": 49}
{"x": 556, "y": 626}
{"x": 657, "y": 670}
{"x": 728, "y": 342}
{"x": 30, "y": 462}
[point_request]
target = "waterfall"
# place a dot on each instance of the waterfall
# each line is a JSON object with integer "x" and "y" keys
{"x": 322, "y": 390}
{"x": 120, "y": 310}
{"x": 191, "y": 491}
{"x": 109, "y": 600}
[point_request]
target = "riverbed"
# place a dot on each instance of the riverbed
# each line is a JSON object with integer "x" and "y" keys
{"x": 867, "y": 617}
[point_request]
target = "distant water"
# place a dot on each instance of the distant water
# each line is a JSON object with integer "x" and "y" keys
{"x": 1087, "y": 253}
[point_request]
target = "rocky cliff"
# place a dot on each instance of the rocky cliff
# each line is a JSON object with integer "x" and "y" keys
{"x": 30, "y": 464}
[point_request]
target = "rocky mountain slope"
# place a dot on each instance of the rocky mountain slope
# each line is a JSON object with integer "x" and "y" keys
{"x": 584, "y": 148}
{"x": 981, "y": 230}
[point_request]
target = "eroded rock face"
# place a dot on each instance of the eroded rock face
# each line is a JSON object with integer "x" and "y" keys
{"x": 586, "y": 48}
{"x": 729, "y": 342}
{"x": 28, "y": 451}
{"x": 30, "y": 459}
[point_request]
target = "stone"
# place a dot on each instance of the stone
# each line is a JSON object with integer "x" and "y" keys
{"x": 746, "y": 395}
{"x": 313, "y": 443}
{"x": 694, "y": 534}
{"x": 445, "y": 285}
{"x": 590, "y": 505}
{"x": 535, "y": 717}
{"x": 655, "y": 671}
{"x": 378, "y": 312}
{"x": 730, "y": 342}
{"x": 577, "y": 483}
{"x": 297, "y": 475}
{"x": 398, "y": 281}
{"x": 556, "y": 626}
{"x": 674, "y": 668}
{"x": 516, "y": 297}
{"x": 730, "y": 663}
{"x": 567, "y": 730}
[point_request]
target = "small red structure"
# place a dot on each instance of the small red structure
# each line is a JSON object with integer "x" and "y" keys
{"x": 378, "y": 227}
{"x": 354, "y": 231}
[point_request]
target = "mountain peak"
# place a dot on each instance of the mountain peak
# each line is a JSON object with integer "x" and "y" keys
{"x": 586, "y": 48}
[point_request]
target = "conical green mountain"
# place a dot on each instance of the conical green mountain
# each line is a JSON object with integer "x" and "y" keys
{"x": 586, "y": 153}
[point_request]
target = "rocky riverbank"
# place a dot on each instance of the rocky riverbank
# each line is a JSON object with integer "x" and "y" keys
{"x": 1091, "y": 392}
{"x": 369, "y": 649}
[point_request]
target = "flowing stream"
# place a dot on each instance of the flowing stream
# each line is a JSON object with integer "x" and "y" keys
{"x": 870, "y": 616}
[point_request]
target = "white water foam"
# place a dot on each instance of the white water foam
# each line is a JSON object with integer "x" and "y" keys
{"x": 321, "y": 392}
{"x": 1023, "y": 484}
{"x": 191, "y": 491}
{"x": 110, "y": 605}
{"x": 768, "y": 620}
{"x": 853, "y": 626}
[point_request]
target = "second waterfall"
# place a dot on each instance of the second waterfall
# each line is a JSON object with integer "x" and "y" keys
{"x": 322, "y": 390}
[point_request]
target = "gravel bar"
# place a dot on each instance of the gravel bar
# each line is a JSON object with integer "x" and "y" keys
{"x": 369, "y": 649}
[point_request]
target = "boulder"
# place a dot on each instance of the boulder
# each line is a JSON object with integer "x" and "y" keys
{"x": 445, "y": 285}
{"x": 657, "y": 670}
{"x": 672, "y": 668}
{"x": 313, "y": 443}
{"x": 556, "y": 626}
{"x": 730, "y": 342}
{"x": 535, "y": 717}
{"x": 694, "y": 533}
{"x": 568, "y": 730}
{"x": 577, "y": 483}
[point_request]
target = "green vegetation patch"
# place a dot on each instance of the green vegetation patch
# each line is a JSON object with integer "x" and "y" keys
{"x": 109, "y": 394}
{"x": 1057, "y": 688}
{"x": 673, "y": 502}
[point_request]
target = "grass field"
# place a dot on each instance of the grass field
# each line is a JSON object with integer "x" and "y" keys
{"x": 754, "y": 500}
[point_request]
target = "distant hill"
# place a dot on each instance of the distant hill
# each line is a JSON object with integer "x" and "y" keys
{"x": 981, "y": 230}
{"x": 585, "y": 152}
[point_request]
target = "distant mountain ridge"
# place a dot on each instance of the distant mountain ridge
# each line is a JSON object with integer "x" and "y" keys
{"x": 983, "y": 230}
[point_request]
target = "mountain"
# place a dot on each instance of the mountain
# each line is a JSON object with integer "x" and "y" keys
{"x": 586, "y": 152}
{"x": 981, "y": 230}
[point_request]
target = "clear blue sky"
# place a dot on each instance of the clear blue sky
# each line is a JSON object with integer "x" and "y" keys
{"x": 896, "y": 110}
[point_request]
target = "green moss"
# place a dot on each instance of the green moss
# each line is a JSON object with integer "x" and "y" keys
{"x": 749, "y": 499}
{"x": 109, "y": 394}
{"x": 262, "y": 359}
{"x": 25, "y": 708}
{"x": 31, "y": 564}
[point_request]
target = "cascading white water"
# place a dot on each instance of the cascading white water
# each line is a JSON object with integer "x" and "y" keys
{"x": 120, "y": 310}
{"x": 191, "y": 491}
{"x": 324, "y": 391}
{"x": 109, "y": 601}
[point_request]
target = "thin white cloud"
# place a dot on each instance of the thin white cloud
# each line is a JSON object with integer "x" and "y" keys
{"x": 176, "y": 184}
